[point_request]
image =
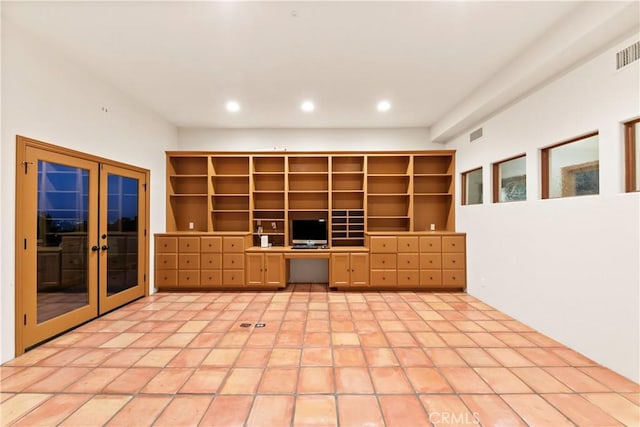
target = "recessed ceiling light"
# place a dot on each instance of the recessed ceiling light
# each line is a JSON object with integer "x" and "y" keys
{"x": 383, "y": 106}
{"x": 233, "y": 106}
{"x": 307, "y": 106}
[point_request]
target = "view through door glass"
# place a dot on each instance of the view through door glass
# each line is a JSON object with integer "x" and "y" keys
{"x": 62, "y": 239}
{"x": 122, "y": 233}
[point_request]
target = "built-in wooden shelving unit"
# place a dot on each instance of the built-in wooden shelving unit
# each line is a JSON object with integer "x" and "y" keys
{"x": 260, "y": 193}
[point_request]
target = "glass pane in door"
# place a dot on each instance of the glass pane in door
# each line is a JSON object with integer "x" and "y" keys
{"x": 122, "y": 230}
{"x": 62, "y": 239}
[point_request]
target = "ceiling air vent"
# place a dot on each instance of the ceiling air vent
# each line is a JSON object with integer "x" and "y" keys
{"x": 475, "y": 134}
{"x": 628, "y": 55}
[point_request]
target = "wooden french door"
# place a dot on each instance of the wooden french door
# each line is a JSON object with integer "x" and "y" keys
{"x": 81, "y": 244}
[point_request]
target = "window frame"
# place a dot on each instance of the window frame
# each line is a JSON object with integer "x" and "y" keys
{"x": 463, "y": 190}
{"x": 495, "y": 178}
{"x": 544, "y": 173}
{"x": 630, "y": 152}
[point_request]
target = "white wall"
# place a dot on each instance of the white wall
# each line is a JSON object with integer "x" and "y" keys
{"x": 48, "y": 98}
{"x": 363, "y": 140}
{"x": 567, "y": 267}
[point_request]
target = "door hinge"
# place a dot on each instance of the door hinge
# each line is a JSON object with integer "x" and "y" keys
{"x": 25, "y": 244}
{"x": 145, "y": 232}
{"x": 144, "y": 277}
{"x": 25, "y": 320}
{"x": 144, "y": 186}
{"x": 26, "y": 166}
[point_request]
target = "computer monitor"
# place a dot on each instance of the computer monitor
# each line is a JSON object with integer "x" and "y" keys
{"x": 309, "y": 231}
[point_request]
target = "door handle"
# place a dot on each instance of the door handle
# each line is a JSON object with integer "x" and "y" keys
{"x": 95, "y": 248}
{"x": 105, "y": 247}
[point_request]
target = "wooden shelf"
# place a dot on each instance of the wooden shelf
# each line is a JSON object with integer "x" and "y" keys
{"x": 391, "y": 191}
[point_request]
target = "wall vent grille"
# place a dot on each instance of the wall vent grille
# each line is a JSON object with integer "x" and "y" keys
{"x": 628, "y": 55}
{"x": 475, "y": 134}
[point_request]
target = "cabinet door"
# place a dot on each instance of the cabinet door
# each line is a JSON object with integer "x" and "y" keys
{"x": 232, "y": 244}
{"x": 211, "y": 244}
{"x": 188, "y": 244}
{"x": 255, "y": 273}
{"x": 453, "y": 244}
{"x": 188, "y": 261}
{"x": 384, "y": 245}
{"x": 430, "y": 244}
{"x": 273, "y": 269}
{"x": 360, "y": 269}
{"x": 408, "y": 244}
{"x": 166, "y": 245}
{"x": 340, "y": 269}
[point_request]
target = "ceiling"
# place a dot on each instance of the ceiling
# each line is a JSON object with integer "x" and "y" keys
{"x": 185, "y": 60}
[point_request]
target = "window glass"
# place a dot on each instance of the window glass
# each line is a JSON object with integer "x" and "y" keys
{"x": 574, "y": 168}
{"x": 511, "y": 179}
{"x": 472, "y": 182}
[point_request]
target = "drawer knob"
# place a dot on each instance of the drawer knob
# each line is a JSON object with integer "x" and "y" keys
{"x": 188, "y": 261}
{"x": 454, "y": 261}
{"x": 384, "y": 262}
{"x": 188, "y": 244}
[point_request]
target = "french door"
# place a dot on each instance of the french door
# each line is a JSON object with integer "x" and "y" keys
{"x": 81, "y": 239}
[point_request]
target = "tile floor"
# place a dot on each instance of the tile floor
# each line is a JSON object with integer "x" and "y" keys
{"x": 323, "y": 358}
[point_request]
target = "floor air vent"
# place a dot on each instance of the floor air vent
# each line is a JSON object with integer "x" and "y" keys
{"x": 628, "y": 55}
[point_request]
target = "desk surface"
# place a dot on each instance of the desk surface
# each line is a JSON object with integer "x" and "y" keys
{"x": 291, "y": 253}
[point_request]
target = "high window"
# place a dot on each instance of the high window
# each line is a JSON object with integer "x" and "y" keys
{"x": 472, "y": 187}
{"x": 510, "y": 180}
{"x": 632, "y": 155}
{"x": 571, "y": 168}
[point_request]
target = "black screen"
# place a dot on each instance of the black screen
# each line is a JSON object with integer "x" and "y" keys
{"x": 312, "y": 231}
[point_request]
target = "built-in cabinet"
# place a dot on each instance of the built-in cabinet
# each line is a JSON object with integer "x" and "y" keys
{"x": 265, "y": 270}
{"x": 390, "y": 219}
{"x": 418, "y": 260}
{"x": 349, "y": 269}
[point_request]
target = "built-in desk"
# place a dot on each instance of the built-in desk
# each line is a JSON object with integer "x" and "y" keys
{"x": 388, "y": 260}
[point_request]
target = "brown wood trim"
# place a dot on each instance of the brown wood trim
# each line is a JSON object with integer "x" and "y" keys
{"x": 308, "y": 153}
{"x": 30, "y": 142}
{"x": 22, "y": 144}
{"x": 569, "y": 141}
{"x": 463, "y": 183}
{"x": 630, "y": 145}
{"x": 495, "y": 184}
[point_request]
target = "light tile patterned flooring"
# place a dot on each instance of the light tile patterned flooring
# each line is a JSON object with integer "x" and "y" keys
{"x": 324, "y": 358}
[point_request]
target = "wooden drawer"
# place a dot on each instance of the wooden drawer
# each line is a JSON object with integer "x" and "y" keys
{"x": 453, "y": 244}
{"x": 383, "y": 278}
{"x": 166, "y": 245}
{"x": 233, "y": 278}
{"x": 212, "y": 244}
{"x": 211, "y": 261}
{"x": 430, "y": 244}
{"x": 383, "y": 261}
{"x": 167, "y": 261}
{"x": 231, "y": 261}
{"x": 233, "y": 244}
{"x": 408, "y": 261}
{"x": 167, "y": 278}
{"x": 429, "y": 278}
{"x": 408, "y": 277}
{"x": 188, "y": 278}
{"x": 453, "y": 261}
{"x": 384, "y": 245}
{"x": 453, "y": 278}
{"x": 188, "y": 261}
{"x": 430, "y": 261}
{"x": 189, "y": 244}
{"x": 408, "y": 244}
{"x": 210, "y": 277}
